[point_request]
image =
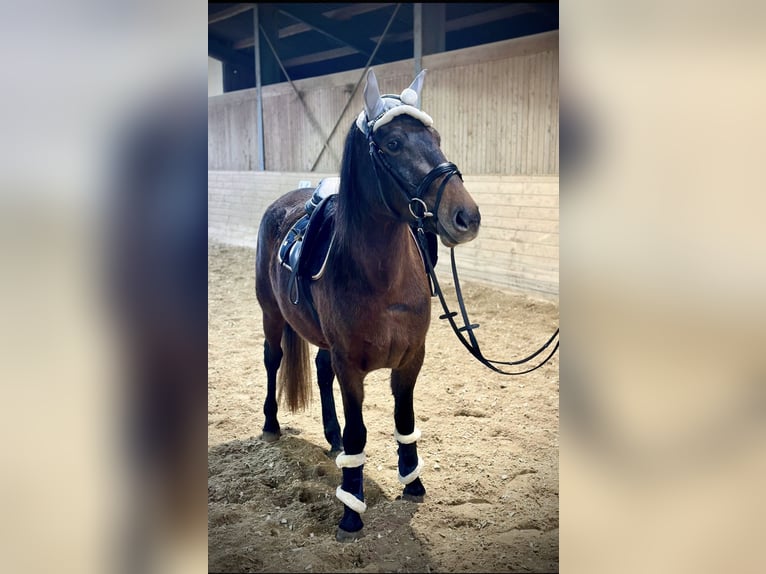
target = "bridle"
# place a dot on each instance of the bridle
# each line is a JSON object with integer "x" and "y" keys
{"x": 417, "y": 206}
{"x": 419, "y": 211}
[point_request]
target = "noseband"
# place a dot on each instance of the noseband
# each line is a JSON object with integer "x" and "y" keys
{"x": 415, "y": 203}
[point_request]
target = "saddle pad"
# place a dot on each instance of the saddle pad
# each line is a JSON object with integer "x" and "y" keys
{"x": 307, "y": 245}
{"x": 324, "y": 189}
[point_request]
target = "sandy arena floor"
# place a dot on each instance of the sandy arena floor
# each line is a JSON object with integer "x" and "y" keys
{"x": 490, "y": 445}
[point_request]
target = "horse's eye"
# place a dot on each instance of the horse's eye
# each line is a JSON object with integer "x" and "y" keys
{"x": 393, "y": 145}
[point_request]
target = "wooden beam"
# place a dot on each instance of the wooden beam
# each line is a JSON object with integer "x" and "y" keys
{"x": 222, "y": 50}
{"x": 349, "y": 12}
{"x": 258, "y": 92}
{"x": 227, "y": 13}
{"x": 285, "y": 32}
{"x": 468, "y": 21}
{"x": 337, "y": 31}
{"x": 417, "y": 28}
{"x": 358, "y": 83}
{"x": 337, "y": 14}
{"x": 501, "y": 50}
{"x": 477, "y": 19}
{"x": 490, "y": 16}
{"x": 293, "y": 29}
{"x": 434, "y": 31}
{"x": 319, "y": 56}
{"x": 300, "y": 27}
{"x": 270, "y": 71}
{"x": 246, "y": 43}
{"x": 310, "y": 115}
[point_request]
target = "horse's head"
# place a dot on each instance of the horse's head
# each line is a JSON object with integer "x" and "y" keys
{"x": 414, "y": 178}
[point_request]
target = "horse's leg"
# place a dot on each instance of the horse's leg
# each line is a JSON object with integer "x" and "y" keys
{"x": 406, "y": 434}
{"x": 325, "y": 377}
{"x": 272, "y": 357}
{"x": 351, "y": 460}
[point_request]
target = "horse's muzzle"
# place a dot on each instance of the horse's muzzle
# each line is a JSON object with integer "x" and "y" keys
{"x": 461, "y": 227}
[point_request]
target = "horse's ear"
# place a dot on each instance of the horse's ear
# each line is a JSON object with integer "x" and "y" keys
{"x": 373, "y": 104}
{"x": 417, "y": 83}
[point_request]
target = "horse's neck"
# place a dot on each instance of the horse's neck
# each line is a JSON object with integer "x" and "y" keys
{"x": 381, "y": 255}
{"x": 378, "y": 247}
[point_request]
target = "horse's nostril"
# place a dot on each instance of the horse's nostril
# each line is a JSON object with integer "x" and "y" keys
{"x": 460, "y": 220}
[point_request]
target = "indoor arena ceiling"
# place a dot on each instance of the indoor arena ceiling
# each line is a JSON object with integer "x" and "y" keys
{"x": 317, "y": 39}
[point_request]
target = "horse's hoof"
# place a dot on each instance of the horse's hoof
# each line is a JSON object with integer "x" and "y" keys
{"x": 414, "y": 497}
{"x": 333, "y": 453}
{"x": 270, "y": 436}
{"x": 345, "y": 536}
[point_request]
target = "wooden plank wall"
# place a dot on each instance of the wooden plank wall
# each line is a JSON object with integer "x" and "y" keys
{"x": 236, "y": 201}
{"x": 231, "y": 131}
{"x": 518, "y": 242}
{"x": 517, "y": 247}
{"x": 496, "y": 107}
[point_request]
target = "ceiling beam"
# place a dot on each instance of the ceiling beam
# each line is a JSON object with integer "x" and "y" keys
{"x": 246, "y": 43}
{"x": 293, "y": 29}
{"x": 222, "y": 50}
{"x": 335, "y": 30}
{"x": 299, "y": 27}
{"x": 319, "y": 57}
{"x": 490, "y": 16}
{"x": 227, "y": 13}
{"x": 352, "y": 45}
{"x": 349, "y": 12}
{"x": 338, "y": 14}
{"x": 469, "y": 21}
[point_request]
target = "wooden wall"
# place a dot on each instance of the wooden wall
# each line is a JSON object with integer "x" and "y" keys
{"x": 496, "y": 107}
{"x": 517, "y": 246}
{"x": 236, "y": 201}
{"x": 518, "y": 242}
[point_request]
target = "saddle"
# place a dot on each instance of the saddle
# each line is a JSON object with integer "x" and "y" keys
{"x": 307, "y": 245}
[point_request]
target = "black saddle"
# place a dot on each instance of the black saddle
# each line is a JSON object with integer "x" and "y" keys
{"x": 307, "y": 245}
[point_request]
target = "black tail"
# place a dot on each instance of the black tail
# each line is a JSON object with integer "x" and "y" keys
{"x": 295, "y": 374}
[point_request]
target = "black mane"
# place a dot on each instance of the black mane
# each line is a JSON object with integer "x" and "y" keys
{"x": 352, "y": 204}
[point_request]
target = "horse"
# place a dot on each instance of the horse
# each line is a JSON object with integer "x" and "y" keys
{"x": 371, "y": 308}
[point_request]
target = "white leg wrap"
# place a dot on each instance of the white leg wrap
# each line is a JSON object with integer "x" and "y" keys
{"x": 344, "y": 460}
{"x": 407, "y": 438}
{"x": 414, "y": 474}
{"x": 350, "y": 500}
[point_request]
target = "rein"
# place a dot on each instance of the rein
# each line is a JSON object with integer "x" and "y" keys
{"x": 419, "y": 211}
{"x": 472, "y": 344}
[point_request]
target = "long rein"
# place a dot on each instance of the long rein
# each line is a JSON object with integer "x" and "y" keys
{"x": 419, "y": 212}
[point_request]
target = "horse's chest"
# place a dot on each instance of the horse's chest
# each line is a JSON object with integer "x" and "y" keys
{"x": 391, "y": 334}
{"x": 401, "y": 323}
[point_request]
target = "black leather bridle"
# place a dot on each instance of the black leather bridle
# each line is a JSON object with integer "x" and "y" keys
{"x": 419, "y": 211}
{"x": 415, "y": 202}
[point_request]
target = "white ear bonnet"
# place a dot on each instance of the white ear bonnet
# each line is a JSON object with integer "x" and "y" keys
{"x": 379, "y": 110}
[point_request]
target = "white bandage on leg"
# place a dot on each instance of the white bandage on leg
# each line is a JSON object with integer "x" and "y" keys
{"x": 344, "y": 460}
{"x": 350, "y": 500}
{"x": 407, "y": 438}
{"x": 414, "y": 474}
